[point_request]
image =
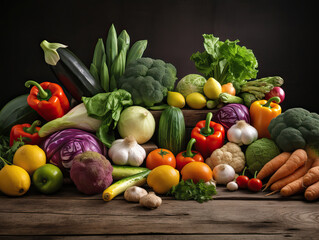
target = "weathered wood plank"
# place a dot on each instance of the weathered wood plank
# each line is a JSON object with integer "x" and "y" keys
{"x": 24, "y": 216}
{"x": 166, "y": 237}
{"x": 69, "y": 191}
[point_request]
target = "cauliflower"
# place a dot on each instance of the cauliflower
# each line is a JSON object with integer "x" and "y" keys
{"x": 230, "y": 154}
{"x": 148, "y": 80}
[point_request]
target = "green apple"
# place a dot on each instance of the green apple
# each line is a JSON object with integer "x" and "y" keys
{"x": 48, "y": 178}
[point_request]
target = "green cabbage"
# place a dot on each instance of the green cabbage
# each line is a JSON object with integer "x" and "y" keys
{"x": 191, "y": 83}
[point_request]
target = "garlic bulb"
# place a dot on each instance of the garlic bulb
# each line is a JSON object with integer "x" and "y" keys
{"x": 127, "y": 152}
{"x": 242, "y": 133}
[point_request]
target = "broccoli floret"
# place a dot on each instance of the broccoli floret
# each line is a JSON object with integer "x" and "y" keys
{"x": 148, "y": 80}
{"x": 296, "y": 128}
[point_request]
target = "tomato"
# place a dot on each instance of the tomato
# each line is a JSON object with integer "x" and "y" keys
{"x": 255, "y": 184}
{"x": 242, "y": 180}
{"x": 197, "y": 171}
{"x": 160, "y": 157}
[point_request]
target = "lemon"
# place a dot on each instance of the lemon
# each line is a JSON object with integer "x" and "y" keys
{"x": 175, "y": 99}
{"x": 196, "y": 100}
{"x": 14, "y": 180}
{"x": 212, "y": 88}
{"x": 162, "y": 178}
{"x": 29, "y": 157}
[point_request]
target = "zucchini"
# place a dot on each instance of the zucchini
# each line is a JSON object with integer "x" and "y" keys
{"x": 70, "y": 71}
{"x": 171, "y": 130}
{"x": 120, "y": 172}
{"x": 123, "y": 184}
{"x": 16, "y": 111}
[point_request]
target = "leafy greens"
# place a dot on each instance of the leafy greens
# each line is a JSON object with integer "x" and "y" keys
{"x": 188, "y": 190}
{"x": 107, "y": 107}
{"x": 226, "y": 61}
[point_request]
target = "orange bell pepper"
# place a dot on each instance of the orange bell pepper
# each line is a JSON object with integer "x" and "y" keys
{"x": 262, "y": 112}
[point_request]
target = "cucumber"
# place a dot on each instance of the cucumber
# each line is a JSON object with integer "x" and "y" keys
{"x": 120, "y": 172}
{"x": 123, "y": 184}
{"x": 16, "y": 111}
{"x": 171, "y": 130}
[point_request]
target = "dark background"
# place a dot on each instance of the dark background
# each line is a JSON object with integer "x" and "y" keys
{"x": 280, "y": 33}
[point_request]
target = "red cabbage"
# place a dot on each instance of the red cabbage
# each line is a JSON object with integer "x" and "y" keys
{"x": 230, "y": 114}
{"x": 62, "y": 146}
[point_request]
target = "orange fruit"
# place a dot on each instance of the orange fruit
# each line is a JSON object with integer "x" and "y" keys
{"x": 160, "y": 157}
{"x": 197, "y": 171}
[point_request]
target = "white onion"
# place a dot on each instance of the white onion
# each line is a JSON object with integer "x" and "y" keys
{"x": 137, "y": 122}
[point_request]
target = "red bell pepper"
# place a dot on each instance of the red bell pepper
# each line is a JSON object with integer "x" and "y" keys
{"x": 209, "y": 136}
{"x": 188, "y": 156}
{"x": 48, "y": 99}
{"x": 26, "y": 131}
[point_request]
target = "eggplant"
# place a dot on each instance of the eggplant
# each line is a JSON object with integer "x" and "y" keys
{"x": 70, "y": 71}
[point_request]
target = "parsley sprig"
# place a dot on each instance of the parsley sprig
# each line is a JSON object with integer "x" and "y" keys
{"x": 188, "y": 190}
{"x": 6, "y": 151}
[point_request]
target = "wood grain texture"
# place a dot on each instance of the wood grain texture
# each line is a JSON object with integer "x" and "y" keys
{"x": 70, "y": 214}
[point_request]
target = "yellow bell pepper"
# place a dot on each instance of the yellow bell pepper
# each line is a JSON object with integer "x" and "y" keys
{"x": 262, "y": 112}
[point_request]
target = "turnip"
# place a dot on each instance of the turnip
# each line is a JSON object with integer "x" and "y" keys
{"x": 91, "y": 172}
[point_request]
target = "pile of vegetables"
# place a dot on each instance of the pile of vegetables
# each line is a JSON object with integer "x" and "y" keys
{"x": 97, "y": 142}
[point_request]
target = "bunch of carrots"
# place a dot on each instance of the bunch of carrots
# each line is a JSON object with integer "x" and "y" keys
{"x": 292, "y": 173}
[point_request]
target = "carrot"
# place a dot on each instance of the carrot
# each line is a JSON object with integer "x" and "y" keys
{"x": 311, "y": 176}
{"x": 315, "y": 162}
{"x": 296, "y": 160}
{"x": 273, "y": 165}
{"x": 312, "y": 192}
{"x": 292, "y": 188}
{"x": 276, "y": 186}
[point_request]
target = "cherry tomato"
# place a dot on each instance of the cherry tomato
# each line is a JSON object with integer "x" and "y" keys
{"x": 242, "y": 180}
{"x": 255, "y": 184}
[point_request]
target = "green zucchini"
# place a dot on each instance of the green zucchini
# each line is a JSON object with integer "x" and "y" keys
{"x": 171, "y": 130}
{"x": 123, "y": 184}
{"x": 70, "y": 71}
{"x": 120, "y": 172}
{"x": 16, "y": 111}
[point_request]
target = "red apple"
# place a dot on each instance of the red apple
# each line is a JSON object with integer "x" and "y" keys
{"x": 276, "y": 92}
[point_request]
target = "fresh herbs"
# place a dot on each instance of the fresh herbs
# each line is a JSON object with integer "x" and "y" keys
{"x": 226, "y": 61}
{"x": 7, "y": 152}
{"x": 188, "y": 190}
{"x": 107, "y": 107}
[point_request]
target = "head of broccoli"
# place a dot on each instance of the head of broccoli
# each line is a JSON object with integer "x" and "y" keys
{"x": 148, "y": 80}
{"x": 296, "y": 128}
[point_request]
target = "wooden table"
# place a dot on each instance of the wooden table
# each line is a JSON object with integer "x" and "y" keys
{"x": 231, "y": 215}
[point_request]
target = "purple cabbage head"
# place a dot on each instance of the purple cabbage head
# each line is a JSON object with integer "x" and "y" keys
{"x": 62, "y": 146}
{"x": 230, "y": 114}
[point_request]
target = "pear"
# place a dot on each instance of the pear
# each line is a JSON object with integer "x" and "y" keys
{"x": 212, "y": 88}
